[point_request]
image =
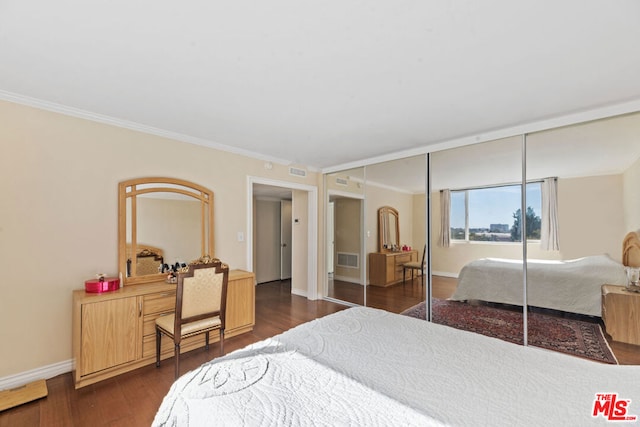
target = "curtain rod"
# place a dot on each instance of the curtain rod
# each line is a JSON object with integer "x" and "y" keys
{"x": 500, "y": 185}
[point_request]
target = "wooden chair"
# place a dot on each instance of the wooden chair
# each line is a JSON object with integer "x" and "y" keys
{"x": 414, "y": 265}
{"x": 201, "y": 297}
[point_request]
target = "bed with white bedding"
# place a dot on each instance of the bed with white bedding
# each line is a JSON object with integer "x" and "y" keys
{"x": 364, "y": 366}
{"x": 573, "y": 286}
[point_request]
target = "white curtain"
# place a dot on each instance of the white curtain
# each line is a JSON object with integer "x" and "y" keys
{"x": 549, "y": 224}
{"x": 445, "y": 224}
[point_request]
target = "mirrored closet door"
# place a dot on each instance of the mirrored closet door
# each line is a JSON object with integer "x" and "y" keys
{"x": 396, "y": 230}
{"x": 345, "y": 222}
{"x": 589, "y": 175}
{"x": 476, "y": 238}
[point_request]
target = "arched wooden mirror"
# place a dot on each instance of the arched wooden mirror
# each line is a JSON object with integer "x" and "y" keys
{"x": 161, "y": 221}
{"x": 388, "y": 229}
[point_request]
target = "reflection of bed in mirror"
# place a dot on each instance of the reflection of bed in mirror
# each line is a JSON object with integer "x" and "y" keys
{"x": 149, "y": 260}
{"x": 416, "y": 373}
{"x": 572, "y": 286}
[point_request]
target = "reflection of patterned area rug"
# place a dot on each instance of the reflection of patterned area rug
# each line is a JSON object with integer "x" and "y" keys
{"x": 571, "y": 336}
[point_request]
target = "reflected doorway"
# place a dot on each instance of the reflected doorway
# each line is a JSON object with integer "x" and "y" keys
{"x": 344, "y": 237}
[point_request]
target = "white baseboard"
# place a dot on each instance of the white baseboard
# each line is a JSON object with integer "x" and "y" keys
{"x": 299, "y": 292}
{"x": 444, "y": 274}
{"x": 42, "y": 373}
{"x": 347, "y": 279}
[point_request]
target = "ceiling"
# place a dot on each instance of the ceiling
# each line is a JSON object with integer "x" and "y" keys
{"x": 320, "y": 84}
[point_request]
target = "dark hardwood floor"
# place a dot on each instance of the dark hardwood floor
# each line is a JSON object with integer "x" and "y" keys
{"x": 394, "y": 298}
{"x": 132, "y": 399}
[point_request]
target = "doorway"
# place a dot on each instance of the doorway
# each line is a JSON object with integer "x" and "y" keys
{"x": 297, "y": 259}
{"x": 272, "y": 235}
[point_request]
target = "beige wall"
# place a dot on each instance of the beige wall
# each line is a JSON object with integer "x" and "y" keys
{"x": 590, "y": 213}
{"x": 631, "y": 192}
{"x": 419, "y": 222}
{"x": 58, "y": 216}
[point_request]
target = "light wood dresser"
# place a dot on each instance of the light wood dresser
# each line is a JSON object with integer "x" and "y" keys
{"x": 621, "y": 314}
{"x": 114, "y": 332}
{"x": 385, "y": 268}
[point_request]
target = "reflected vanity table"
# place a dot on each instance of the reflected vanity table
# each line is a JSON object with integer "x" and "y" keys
{"x": 385, "y": 266}
{"x": 159, "y": 219}
{"x": 621, "y": 314}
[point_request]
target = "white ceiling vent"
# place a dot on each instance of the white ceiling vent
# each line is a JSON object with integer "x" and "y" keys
{"x": 297, "y": 172}
{"x": 342, "y": 181}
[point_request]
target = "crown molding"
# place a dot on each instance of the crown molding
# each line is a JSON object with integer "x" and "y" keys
{"x": 138, "y": 127}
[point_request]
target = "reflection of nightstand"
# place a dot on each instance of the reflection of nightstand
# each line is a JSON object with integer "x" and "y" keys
{"x": 621, "y": 314}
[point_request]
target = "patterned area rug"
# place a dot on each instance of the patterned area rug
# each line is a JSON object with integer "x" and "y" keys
{"x": 571, "y": 336}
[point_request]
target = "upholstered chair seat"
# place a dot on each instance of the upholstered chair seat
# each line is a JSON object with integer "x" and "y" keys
{"x": 166, "y": 323}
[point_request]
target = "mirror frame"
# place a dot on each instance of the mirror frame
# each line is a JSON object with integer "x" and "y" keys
{"x": 128, "y": 190}
{"x": 383, "y": 220}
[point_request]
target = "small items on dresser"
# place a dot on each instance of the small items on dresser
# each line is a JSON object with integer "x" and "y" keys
{"x": 102, "y": 283}
{"x": 172, "y": 276}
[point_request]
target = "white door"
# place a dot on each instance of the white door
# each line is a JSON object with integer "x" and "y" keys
{"x": 267, "y": 240}
{"x": 285, "y": 239}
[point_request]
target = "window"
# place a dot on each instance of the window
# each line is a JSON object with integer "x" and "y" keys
{"x": 493, "y": 213}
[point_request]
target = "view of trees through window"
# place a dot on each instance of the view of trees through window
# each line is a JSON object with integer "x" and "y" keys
{"x": 494, "y": 213}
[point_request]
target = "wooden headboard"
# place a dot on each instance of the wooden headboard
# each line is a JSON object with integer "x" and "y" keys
{"x": 631, "y": 250}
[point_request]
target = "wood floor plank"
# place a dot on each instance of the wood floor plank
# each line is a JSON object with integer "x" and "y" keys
{"x": 56, "y": 410}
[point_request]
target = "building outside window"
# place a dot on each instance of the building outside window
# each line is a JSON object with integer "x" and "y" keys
{"x": 493, "y": 214}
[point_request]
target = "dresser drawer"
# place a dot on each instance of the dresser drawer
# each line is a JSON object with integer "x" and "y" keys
{"x": 149, "y": 325}
{"x": 167, "y": 347}
{"x": 401, "y": 259}
{"x": 159, "y": 303}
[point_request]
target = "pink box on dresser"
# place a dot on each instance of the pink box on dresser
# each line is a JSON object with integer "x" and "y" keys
{"x": 105, "y": 285}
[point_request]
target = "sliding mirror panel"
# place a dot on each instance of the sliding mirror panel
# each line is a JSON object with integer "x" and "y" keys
{"x": 396, "y": 234}
{"x": 346, "y": 264}
{"x": 476, "y": 238}
{"x": 589, "y": 176}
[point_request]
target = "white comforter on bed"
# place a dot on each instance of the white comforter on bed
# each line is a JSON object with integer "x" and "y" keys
{"x": 572, "y": 286}
{"x": 364, "y": 367}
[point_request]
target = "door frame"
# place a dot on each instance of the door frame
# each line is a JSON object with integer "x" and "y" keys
{"x": 312, "y": 228}
{"x": 286, "y": 227}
